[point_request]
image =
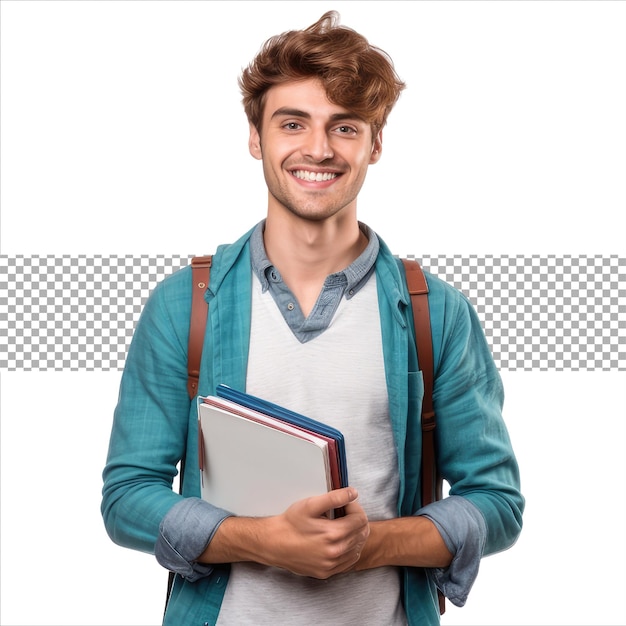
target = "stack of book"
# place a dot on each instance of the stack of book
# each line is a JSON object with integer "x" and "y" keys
{"x": 257, "y": 458}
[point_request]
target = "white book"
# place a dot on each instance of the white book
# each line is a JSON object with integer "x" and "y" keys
{"x": 255, "y": 465}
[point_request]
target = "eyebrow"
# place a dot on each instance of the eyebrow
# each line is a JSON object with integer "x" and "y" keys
{"x": 336, "y": 117}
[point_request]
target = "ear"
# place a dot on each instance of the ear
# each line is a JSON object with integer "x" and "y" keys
{"x": 254, "y": 143}
{"x": 377, "y": 148}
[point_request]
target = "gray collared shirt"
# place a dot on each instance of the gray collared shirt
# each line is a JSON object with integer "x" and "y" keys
{"x": 346, "y": 283}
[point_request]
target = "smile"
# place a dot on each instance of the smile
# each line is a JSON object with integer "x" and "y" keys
{"x": 314, "y": 176}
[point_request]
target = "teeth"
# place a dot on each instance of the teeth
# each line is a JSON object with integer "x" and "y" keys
{"x": 314, "y": 176}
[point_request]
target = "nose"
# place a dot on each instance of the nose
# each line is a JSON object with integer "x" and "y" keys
{"x": 317, "y": 145}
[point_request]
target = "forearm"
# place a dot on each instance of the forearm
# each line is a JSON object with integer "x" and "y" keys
{"x": 405, "y": 541}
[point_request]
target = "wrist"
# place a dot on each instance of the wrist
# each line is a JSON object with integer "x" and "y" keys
{"x": 239, "y": 539}
{"x": 373, "y": 553}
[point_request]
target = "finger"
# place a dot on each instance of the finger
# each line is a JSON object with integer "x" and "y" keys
{"x": 347, "y": 562}
{"x": 317, "y": 506}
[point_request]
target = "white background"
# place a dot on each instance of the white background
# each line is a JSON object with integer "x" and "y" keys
{"x": 121, "y": 123}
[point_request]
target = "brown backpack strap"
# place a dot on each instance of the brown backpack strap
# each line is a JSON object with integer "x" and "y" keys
{"x": 418, "y": 289}
{"x": 431, "y": 480}
{"x": 200, "y": 272}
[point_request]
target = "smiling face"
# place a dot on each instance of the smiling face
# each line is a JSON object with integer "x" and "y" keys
{"x": 315, "y": 153}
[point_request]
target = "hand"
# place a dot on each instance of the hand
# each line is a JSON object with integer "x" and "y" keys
{"x": 307, "y": 542}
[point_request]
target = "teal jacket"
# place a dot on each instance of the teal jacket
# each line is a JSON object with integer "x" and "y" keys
{"x": 155, "y": 425}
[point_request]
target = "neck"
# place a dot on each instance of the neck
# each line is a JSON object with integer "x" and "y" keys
{"x": 313, "y": 247}
{"x": 306, "y": 252}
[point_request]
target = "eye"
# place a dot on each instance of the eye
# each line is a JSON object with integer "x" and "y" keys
{"x": 346, "y": 130}
{"x": 292, "y": 126}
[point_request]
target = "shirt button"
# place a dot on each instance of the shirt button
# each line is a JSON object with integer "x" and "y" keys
{"x": 351, "y": 292}
{"x": 291, "y": 306}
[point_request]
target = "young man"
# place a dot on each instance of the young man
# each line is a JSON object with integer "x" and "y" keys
{"x": 310, "y": 310}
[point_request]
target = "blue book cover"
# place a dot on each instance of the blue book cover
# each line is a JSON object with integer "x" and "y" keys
{"x": 291, "y": 417}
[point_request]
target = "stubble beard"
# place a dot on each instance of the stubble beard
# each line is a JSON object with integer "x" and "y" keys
{"x": 315, "y": 206}
{"x": 311, "y": 210}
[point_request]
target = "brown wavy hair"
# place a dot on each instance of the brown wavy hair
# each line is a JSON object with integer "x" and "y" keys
{"x": 356, "y": 75}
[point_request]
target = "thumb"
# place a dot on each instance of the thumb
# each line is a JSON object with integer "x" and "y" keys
{"x": 336, "y": 499}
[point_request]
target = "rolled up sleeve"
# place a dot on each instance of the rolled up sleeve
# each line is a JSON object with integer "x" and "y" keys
{"x": 464, "y": 531}
{"x": 184, "y": 534}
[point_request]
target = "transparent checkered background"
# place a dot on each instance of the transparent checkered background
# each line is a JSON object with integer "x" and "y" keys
{"x": 538, "y": 312}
